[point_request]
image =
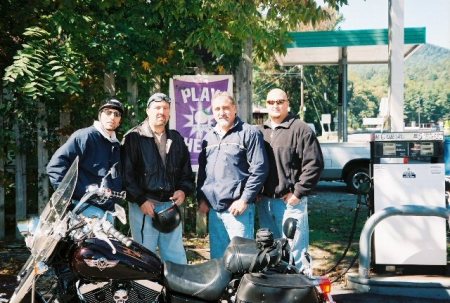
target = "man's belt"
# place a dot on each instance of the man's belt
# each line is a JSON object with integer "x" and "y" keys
{"x": 160, "y": 197}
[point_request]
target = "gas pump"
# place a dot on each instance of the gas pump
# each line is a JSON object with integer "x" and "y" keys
{"x": 408, "y": 169}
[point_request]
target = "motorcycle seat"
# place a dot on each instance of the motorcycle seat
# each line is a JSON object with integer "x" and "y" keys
{"x": 240, "y": 254}
{"x": 242, "y": 240}
{"x": 206, "y": 280}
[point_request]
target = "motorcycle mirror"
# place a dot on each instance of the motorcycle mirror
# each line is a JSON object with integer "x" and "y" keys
{"x": 113, "y": 171}
{"x": 289, "y": 228}
{"x": 92, "y": 188}
{"x": 120, "y": 213}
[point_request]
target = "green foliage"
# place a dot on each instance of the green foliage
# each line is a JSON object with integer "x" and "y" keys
{"x": 427, "y": 88}
{"x": 43, "y": 68}
{"x": 151, "y": 39}
{"x": 16, "y": 16}
{"x": 57, "y": 52}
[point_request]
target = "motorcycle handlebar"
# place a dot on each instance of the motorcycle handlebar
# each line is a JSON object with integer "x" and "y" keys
{"x": 105, "y": 193}
{"x": 110, "y": 230}
{"x": 102, "y": 193}
{"x": 120, "y": 195}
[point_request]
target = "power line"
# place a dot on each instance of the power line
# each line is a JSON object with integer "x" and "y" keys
{"x": 278, "y": 76}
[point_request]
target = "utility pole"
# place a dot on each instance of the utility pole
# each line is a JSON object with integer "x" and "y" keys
{"x": 419, "y": 110}
{"x": 396, "y": 64}
{"x": 302, "y": 101}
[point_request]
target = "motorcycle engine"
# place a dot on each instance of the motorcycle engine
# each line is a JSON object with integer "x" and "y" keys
{"x": 119, "y": 292}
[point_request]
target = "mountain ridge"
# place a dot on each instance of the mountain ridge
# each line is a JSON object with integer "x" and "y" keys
{"x": 428, "y": 58}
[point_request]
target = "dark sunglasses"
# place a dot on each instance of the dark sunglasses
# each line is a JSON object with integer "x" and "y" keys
{"x": 110, "y": 112}
{"x": 278, "y": 102}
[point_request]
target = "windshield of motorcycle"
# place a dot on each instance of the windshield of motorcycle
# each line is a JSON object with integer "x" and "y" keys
{"x": 61, "y": 198}
{"x": 45, "y": 239}
{"x": 57, "y": 207}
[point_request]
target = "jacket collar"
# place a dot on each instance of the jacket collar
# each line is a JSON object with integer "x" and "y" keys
{"x": 98, "y": 126}
{"x": 237, "y": 122}
{"x": 144, "y": 129}
{"x": 285, "y": 124}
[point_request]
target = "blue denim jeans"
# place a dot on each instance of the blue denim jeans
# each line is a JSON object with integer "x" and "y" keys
{"x": 170, "y": 244}
{"x": 273, "y": 212}
{"x": 223, "y": 226}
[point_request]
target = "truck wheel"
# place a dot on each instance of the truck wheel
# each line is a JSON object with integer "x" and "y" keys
{"x": 357, "y": 176}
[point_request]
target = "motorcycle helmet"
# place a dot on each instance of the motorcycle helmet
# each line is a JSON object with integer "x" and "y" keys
{"x": 168, "y": 219}
{"x": 289, "y": 227}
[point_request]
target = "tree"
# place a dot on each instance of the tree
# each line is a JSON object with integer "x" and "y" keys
{"x": 320, "y": 82}
{"x": 42, "y": 69}
{"x": 69, "y": 45}
{"x": 427, "y": 86}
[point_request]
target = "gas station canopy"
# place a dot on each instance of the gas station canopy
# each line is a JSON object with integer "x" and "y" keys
{"x": 362, "y": 46}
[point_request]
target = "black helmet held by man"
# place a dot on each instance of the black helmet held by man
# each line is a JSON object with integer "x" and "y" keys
{"x": 168, "y": 219}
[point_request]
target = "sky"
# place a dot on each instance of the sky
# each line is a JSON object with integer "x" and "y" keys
{"x": 373, "y": 14}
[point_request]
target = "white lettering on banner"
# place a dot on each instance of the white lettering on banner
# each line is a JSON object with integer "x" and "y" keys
{"x": 194, "y": 145}
{"x": 193, "y": 95}
{"x": 185, "y": 94}
{"x": 205, "y": 94}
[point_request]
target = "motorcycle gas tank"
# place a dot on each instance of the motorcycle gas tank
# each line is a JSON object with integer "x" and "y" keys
{"x": 94, "y": 260}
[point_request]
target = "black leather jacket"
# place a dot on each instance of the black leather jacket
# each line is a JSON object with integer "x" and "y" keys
{"x": 145, "y": 176}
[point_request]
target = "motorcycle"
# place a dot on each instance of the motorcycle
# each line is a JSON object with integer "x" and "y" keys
{"x": 85, "y": 259}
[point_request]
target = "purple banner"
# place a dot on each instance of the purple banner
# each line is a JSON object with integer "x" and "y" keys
{"x": 193, "y": 111}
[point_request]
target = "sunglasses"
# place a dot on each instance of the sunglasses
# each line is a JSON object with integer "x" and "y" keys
{"x": 110, "y": 112}
{"x": 158, "y": 98}
{"x": 278, "y": 102}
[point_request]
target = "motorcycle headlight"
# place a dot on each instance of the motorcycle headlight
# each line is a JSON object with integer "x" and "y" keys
{"x": 28, "y": 227}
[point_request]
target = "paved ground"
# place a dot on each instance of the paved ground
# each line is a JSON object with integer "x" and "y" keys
{"x": 371, "y": 298}
{"x": 335, "y": 191}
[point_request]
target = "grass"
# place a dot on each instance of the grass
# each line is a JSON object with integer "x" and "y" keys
{"x": 331, "y": 217}
{"x": 332, "y": 223}
{"x": 331, "y": 220}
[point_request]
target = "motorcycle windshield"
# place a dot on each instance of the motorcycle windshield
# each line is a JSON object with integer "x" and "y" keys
{"x": 45, "y": 237}
{"x": 61, "y": 198}
{"x": 54, "y": 211}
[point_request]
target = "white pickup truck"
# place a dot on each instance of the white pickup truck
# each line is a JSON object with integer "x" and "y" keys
{"x": 346, "y": 161}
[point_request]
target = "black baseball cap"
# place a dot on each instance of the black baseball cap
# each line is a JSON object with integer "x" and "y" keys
{"x": 112, "y": 103}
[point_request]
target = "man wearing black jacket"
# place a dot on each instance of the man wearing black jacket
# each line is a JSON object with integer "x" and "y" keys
{"x": 157, "y": 172}
{"x": 99, "y": 152}
{"x": 295, "y": 165}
